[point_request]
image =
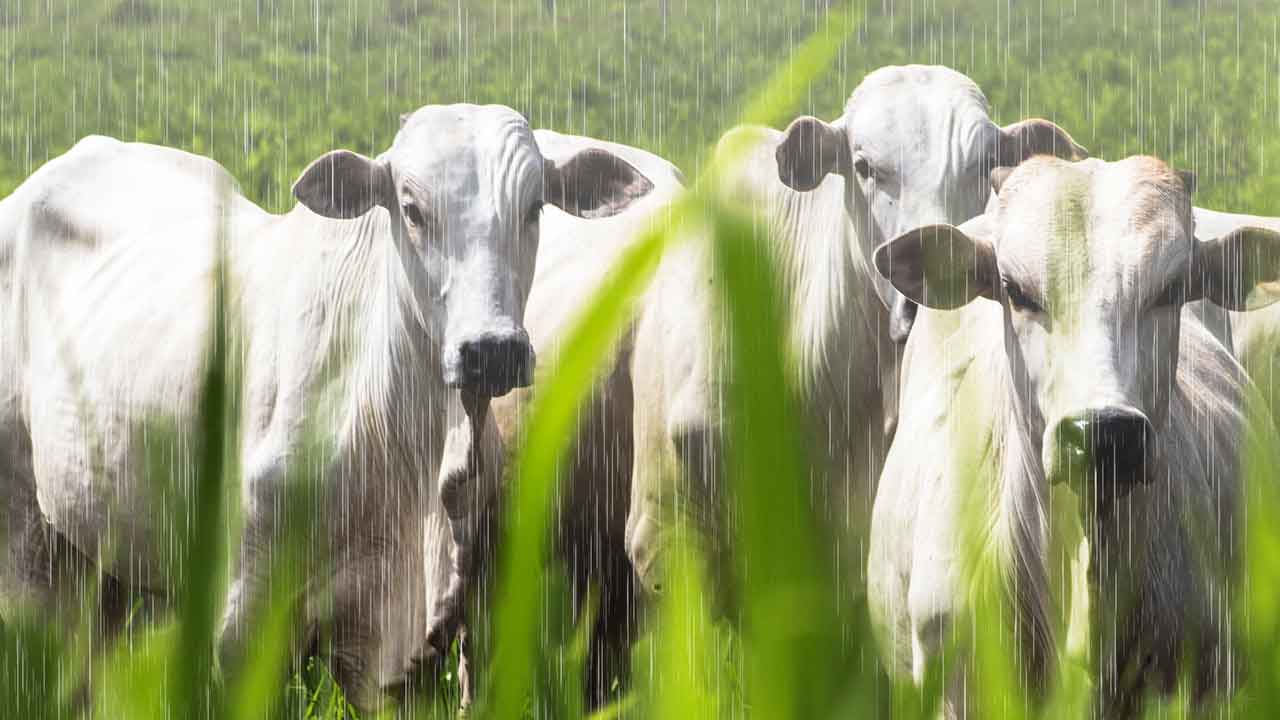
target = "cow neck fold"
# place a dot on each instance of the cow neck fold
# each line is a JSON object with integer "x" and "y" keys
{"x": 1015, "y": 508}
{"x": 837, "y": 320}
{"x": 381, "y": 343}
{"x": 996, "y": 458}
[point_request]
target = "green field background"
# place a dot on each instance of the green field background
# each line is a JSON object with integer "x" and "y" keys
{"x": 264, "y": 86}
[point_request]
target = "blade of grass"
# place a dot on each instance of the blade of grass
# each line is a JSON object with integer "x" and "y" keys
{"x": 1257, "y": 604}
{"x": 784, "y": 572}
{"x": 561, "y": 391}
{"x": 685, "y": 641}
{"x": 202, "y": 550}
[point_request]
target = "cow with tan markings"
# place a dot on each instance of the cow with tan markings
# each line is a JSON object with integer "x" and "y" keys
{"x": 1066, "y": 422}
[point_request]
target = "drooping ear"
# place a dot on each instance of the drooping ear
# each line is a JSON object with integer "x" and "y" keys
{"x": 810, "y": 151}
{"x": 1238, "y": 271}
{"x": 594, "y": 183}
{"x": 343, "y": 185}
{"x": 939, "y": 266}
{"x": 1035, "y": 136}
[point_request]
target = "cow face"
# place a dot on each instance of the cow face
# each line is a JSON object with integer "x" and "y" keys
{"x": 915, "y": 147}
{"x": 1091, "y": 263}
{"x": 464, "y": 186}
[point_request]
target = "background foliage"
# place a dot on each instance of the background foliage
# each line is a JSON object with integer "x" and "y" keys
{"x": 264, "y": 86}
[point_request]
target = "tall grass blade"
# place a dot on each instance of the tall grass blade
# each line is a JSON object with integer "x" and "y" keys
{"x": 561, "y": 392}
{"x": 785, "y": 575}
{"x": 202, "y": 551}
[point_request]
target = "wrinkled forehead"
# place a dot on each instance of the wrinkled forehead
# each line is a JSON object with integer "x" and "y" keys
{"x": 487, "y": 142}
{"x": 1064, "y": 222}
{"x": 914, "y": 110}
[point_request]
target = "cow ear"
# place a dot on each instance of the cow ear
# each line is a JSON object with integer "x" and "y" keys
{"x": 1035, "y": 136}
{"x": 1238, "y": 271}
{"x": 810, "y": 151}
{"x": 939, "y": 266}
{"x": 594, "y": 183}
{"x": 342, "y": 185}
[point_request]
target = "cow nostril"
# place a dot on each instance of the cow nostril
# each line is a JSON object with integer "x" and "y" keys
{"x": 1073, "y": 437}
{"x": 1119, "y": 441}
{"x": 494, "y": 365}
{"x": 1109, "y": 442}
{"x": 511, "y": 351}
{"x": 472, "y": 360}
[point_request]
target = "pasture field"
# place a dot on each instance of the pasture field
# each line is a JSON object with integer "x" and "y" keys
{"x": 263, "y": 86}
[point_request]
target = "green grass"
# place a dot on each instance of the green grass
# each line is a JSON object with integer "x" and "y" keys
{"x": 266, "y": 86}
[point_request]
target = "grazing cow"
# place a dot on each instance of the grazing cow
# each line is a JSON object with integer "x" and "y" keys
{"x": 1068, "y": 415}
{"x": 915, "y": 145}
{"x": 573, "y": 260}
{"x": 375, "y": 320}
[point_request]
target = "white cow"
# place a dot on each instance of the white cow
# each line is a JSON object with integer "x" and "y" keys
{"x": 914, "y": 146}
{"x": 1068, "y": 415}
{"x": 573, "y": 260}
{"x": 1255, "y": 335}
{"x": 1250, "y": 332}
{"x": 376, "y": 317}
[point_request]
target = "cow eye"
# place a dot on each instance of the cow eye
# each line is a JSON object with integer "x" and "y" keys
{"x": 1019, "y": 299}
{"x": 862, "y": 166}
{"x": 412, "y": 214}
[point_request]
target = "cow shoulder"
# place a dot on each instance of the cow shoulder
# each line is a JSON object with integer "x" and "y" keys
{"x": 45, "y": 205}
{"x": 104, "y": 189}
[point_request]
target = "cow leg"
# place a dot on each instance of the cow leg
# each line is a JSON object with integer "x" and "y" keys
{"x": 276, "y": 558}
{"x": 466, "y": 681}
{"x": 40, "y": 571}
{"x": 676, "y": 489}
{"x": 378, "y": 626}
{"x": 609, "y": 654}
{"x": 26, "y": 580}
{"x": 45, "y": 579}
{"x": 248, "y": 586}
{"x": 483, "y": 562}
{"x": 453, "y": 577}
{"x": 454, "y": 552}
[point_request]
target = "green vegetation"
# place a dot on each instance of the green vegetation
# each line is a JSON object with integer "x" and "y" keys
{"x": 264, "y": 86}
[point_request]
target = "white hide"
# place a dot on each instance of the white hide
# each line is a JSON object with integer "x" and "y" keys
{"x": 915, "y": 145}
{"x": 1094, "y": 261}
{"x": 350, "y": 334}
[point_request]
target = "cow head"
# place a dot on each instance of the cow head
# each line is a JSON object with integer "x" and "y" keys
{"x": 464, "y": 186}
{"x": 916, "y": 147}
{"x": 1091, "y": 263}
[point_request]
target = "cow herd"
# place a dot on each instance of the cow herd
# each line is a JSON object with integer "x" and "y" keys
{"x": 998, "y": 342}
